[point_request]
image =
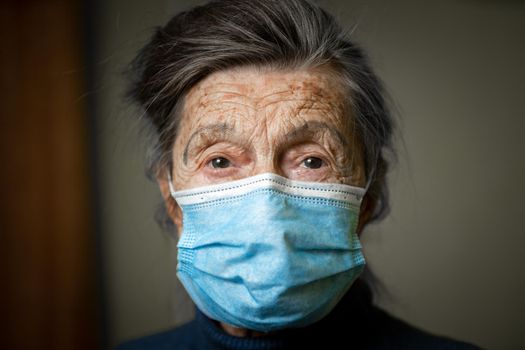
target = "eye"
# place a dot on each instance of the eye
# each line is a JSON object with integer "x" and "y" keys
{"x": 312, "y": 163}
{"x": 220, "y": 163}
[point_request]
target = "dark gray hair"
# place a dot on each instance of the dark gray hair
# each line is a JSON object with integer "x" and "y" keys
{"x": 281, "y": 34}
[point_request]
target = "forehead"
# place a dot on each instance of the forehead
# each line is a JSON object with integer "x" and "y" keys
{"x": 248, "y": 90}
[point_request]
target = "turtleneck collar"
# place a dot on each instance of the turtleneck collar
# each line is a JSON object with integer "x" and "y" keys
{"x": 350, "y": 314}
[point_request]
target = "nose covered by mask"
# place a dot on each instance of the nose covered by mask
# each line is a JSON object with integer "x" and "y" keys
{"x": 266, "y": 252}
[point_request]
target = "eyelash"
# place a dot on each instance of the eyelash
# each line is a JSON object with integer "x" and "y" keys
{"x": 209, "y": 160}
{"x": 322, "y": 159}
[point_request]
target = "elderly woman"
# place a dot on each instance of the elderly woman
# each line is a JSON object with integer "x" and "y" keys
{"x": 272, "y": 135}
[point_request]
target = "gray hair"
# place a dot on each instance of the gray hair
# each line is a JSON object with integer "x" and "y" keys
{"x": 279, "y": 34}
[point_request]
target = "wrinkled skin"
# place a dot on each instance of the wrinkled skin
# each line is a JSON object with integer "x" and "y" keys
{"x": 247, "y": 121}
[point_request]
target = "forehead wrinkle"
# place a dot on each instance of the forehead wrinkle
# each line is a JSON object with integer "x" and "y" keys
{"x": 310, "y": 114}
{"x": 309, "y": 90}
{"x": 220, "y": 112}
{"x": 259, "y": 101}
{"x": 305, "y": 101}
{"x": 298, "y": 99}
{"x": 212, "y": 94}
{"x": 263, "y": 97}
{"x": 226, "y": 109}
{"x": 248, "y": 95}
{"x": 222, "y": 93}
{"x": 214, "y": 87}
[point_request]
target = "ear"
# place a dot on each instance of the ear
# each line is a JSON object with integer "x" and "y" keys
{"x": 172, "y": 207}
{"x": 368, "y": 206}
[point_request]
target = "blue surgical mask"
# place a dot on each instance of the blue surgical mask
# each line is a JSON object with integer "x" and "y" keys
{"x": 267, "y": 253}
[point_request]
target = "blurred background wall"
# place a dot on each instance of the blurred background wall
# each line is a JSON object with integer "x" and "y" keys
{"x": 77, "y": 207}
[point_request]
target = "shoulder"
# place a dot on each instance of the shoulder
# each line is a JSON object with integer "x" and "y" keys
{"x": 184, "y": 336}
{"x": 398, "y": 334}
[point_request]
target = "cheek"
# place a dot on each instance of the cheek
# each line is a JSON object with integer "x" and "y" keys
{"x": 323, "y": 175}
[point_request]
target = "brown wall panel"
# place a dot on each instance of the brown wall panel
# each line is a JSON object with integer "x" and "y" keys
{"x": 48, "y": 291}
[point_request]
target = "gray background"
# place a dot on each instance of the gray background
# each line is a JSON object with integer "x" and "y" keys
{"x": 450, "y": 253}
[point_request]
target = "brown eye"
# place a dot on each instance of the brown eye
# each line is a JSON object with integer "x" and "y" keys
{"x": 220, "y": 163}
{"x": 313, "y": 163}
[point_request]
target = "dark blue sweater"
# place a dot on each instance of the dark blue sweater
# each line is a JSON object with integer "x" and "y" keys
{"x": 354, "y": 324}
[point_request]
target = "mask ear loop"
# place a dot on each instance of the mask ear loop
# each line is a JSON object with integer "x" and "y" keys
{"x": 370, "y": 179}
{"x": 371, "y": 176}
{"x": 170, "y": 184}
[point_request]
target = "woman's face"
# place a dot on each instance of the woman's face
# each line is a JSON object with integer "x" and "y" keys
{"x": 246, "y": 121}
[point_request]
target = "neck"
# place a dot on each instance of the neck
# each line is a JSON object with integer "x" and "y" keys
{"x": 241, "y": 332}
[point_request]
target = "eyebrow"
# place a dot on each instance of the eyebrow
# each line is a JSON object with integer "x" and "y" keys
{"x": 217, "y": 130}
{"x": 311, "y": 128}
{"x": 224, "y": 130}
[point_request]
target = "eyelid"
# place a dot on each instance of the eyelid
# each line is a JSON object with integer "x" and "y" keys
{"x": 318, "y": 152}
{"x": 235, "y": 159}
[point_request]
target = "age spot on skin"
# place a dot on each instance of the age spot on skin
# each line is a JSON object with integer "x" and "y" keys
{"x": 263, "y": 120}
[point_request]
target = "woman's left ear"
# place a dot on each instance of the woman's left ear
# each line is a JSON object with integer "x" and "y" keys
{"x": 368, "y": 206}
